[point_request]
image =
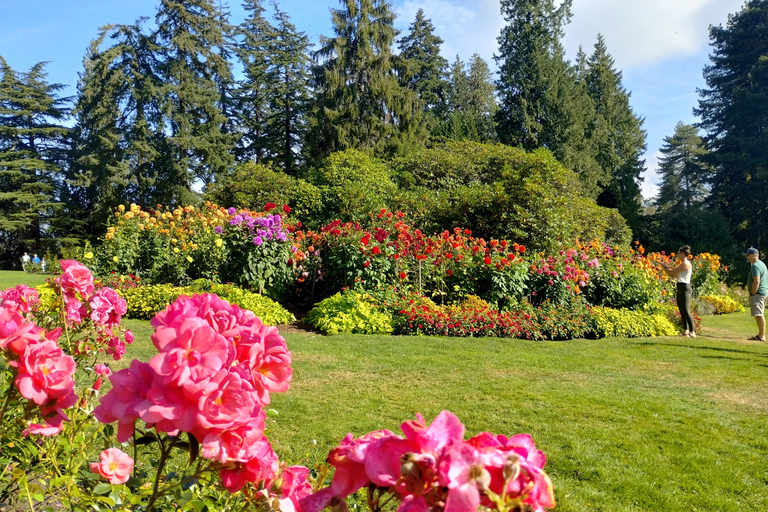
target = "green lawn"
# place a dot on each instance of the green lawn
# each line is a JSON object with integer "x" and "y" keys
{"x": 650, "y": 424}
{"x": 9, "y": 278}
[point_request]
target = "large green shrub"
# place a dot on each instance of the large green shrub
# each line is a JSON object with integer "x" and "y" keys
{"x": 253, "y": 185}
{"x": 349, "y": 312}
{"x": 501, "y": 192}
{"x": 352, "y": 185}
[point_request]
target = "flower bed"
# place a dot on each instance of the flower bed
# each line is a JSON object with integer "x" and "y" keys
{"x": 204, "y": 394}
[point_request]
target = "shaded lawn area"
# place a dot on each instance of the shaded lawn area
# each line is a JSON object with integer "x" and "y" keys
{"x": 649, "y": 424}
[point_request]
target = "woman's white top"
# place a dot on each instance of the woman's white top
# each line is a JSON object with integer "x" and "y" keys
{"x": 685, "y": 275}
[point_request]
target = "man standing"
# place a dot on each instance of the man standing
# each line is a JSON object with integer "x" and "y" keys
{"x": 24, "y": 261}
{"x": 757, "y": 286}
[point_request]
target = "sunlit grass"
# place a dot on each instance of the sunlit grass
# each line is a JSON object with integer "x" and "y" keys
{"x": 650, "y": 424}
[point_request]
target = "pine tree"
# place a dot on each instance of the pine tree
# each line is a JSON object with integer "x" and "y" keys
{"x": 684, "y": 173}
{"x": 470, "y": 103}
{"x": 616, "y": 134}
{"x": 421, "y": 68}
{"x": 32, "y": 148}
{"x": 255, "y": 50}
{"x": 541, "y": 102}
{"x": 733, "y": 111}
{"x": 359, "y": 102}
{"x": 118, "y": 134}
{"x": 190, "y": 43}
{"x": 290, "y": 97}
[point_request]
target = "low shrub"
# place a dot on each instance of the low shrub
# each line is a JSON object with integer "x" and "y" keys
{"x": 623, "y": 323}
{"x": 145, "y": 301}
{"x": 349, "y": 312}
{"x": 723, "y": 304}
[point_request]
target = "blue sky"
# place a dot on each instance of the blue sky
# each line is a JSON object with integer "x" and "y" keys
{"x": 661, "y": 46}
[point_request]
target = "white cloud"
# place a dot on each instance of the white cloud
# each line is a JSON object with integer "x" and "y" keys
{"x": 466, "y": 27}
{"x": 644, "y": 32}
{"x": 650, "y": 185}
{"x": 638, "y": 32}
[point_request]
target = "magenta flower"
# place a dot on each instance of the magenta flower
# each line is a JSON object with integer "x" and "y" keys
{"x": 114, "y": 465}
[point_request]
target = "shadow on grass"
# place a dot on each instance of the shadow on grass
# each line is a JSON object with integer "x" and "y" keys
{"x": 698, "y": 347}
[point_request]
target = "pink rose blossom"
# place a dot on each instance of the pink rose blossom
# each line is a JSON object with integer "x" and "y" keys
{"x": 295, "y": 486}
{"x": 44, "y": 372}
{"x": 75, "y": 278}
{"x": 21, "y": 298}
{"x": 263, "y": 466}
{"x": 115, "y": 465}
{"x": 128, "y": 336}
{"x": 42, "y": 430}
{"x": 15, "y": 332}
{"x": 129, "y": 391}
{"x": 102, "y": 369}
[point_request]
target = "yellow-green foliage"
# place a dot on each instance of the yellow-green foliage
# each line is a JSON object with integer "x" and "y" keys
{"x": 145, "y": 301}
{"x": 723, "y": 304}
{"x": 47, "y": 296}
{"x": 624, "y": 323}
{"x": 350, "y": 312}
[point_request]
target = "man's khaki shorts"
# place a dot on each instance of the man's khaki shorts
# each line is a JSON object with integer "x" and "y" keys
{"x": 757, "y": 304}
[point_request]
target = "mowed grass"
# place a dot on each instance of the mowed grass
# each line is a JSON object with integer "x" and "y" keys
{"x": 650, "y": 424}
{"x": 9, "y": 278}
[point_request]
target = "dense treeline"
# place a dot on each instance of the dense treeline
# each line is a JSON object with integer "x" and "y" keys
{"x": 172, "y": 107}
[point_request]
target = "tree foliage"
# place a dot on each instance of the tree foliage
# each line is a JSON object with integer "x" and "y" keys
{"x": 32, "y": 148}
{"x": 684, "y": 173}
{"x": 734, "y": 113}
{"x": 359, "y": 102}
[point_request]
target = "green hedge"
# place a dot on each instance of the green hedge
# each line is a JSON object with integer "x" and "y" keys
{"x": 145, "y": 301}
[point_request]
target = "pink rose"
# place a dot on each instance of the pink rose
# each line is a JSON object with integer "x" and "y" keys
{"x": 42, "y": 430}
{"x": 15, "y": 332}
{"x": 115, "y": 465}
{"x": 44, "y": 372}
{"x": 75, "y": 278}
{"x": 129, "y": 391}
{"x": 263, "y": 466}
{"x": 295, "y": 486}
{"x": 102, "y": 369}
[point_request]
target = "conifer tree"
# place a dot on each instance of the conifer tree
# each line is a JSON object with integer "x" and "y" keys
{"x": 254, "y": 49}
{"x": 421, "y": 68}
{"x": 118, "y": 135}
{"x": 684, "y": 173}
{"x": 289, "y": 100}
{"x": 359, "y": 102}
{"x": 541, "y": 103}
{"x": 470, "y": 103}
{"x": 733, "y": 113}
{"x": 190, "y": 43}
{"x": 32, "y": 148}
{"x": 616, "y": 134}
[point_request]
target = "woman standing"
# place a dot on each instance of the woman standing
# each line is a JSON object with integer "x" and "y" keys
{"x": 682, "y": 273}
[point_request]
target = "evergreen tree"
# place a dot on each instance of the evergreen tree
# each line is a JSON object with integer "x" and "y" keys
{"x": 683, "y": 171}
{"x": 482, "y": 105}
{"x": 118, "y": 135}
{"x": 190, "y": 42}
{"x": 470, "y": 103}
{"x": 360, "y": 103}
{"x": 290, "y": 97}
{"x": 541, "y": 102}
{"x": 733, "y": 111}
{"x": 616, "y": 134}
{"x": 32, "y": 148}
{"x": 421, "y": 68}
{"x": 255, "y": 51}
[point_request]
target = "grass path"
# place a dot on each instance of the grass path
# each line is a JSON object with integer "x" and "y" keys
{"x": 649, "y": 424}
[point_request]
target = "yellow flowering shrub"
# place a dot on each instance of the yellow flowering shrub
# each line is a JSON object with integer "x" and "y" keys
{"x": 623, "y": 323}
{"x": 723, "y": 304}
